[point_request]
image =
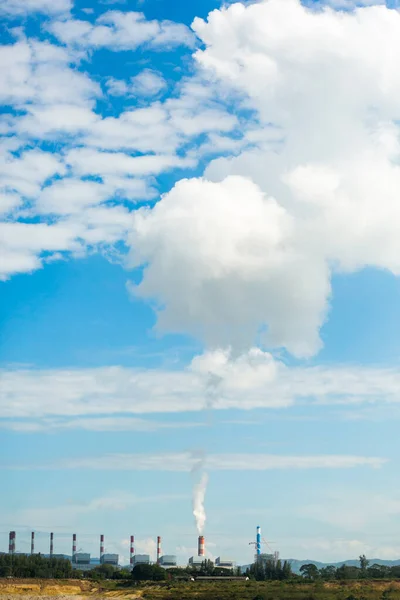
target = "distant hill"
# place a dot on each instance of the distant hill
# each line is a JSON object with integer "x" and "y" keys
{"x": 296, "y": 564}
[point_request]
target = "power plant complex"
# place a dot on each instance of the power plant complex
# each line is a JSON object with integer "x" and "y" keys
{"x": 83, "y": 561}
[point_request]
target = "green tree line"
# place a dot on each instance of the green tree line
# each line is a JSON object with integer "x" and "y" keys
{"x": 270, "y": 570}
{"x": 310, "y": 572}
{"x": 38, "y": 566}
{"x": 35, "y": 565}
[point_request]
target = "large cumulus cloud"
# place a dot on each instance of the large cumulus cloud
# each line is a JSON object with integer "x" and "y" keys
{"x": 251, "y": 247}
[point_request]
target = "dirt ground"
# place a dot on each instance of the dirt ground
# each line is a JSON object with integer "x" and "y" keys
{"x": 58, "y": 590}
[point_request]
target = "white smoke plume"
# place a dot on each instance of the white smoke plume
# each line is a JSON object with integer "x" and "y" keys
{"x": 212, "y": 382}
{"x": 199, "y": 493}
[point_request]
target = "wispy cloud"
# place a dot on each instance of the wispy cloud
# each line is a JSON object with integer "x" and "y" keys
{"x": 185, "y": 461}
{"x": 70, "y": 513}
{"x": 94, "y": 424}
{"x": 253, "y": 380}
{"x": 147, "y": 83}
{"x": 118, "y": 30}
{"x": 18, "y": 8}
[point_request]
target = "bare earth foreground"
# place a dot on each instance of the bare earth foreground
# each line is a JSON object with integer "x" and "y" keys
{"x": 36, "y": 589}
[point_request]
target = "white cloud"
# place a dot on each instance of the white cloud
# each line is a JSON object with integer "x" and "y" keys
{"x": 215, "y": 263}
{"x": 36, "y": 73}
{"x": 253, "y": 380}
{"x": 54, "y": 102}
{"x": 86, "y": 161}
{"x": 17, "y": 8}
{"x": 351, "y": 4}
{"x": 346, "y": 510}
{"x": 117, "y": 87}
{"x": 27, "y": 173}
{"x": 71, "y": 514}
{"x": 17, "y": 262}
{"x": 218, "y": 462}
{"x": 68, "y": 196}
{"x": 30, "y": 188}
{"x": 327, "y": 161}
{"x": 144, "y": 129}
{"x": 95, "y": 424}
{"x": 147, "y": 83}
{"x": 337, "y": 550}
{"x": 28, "y": 236}
{"x": 43, "y": 121}
{"x": 118, "y": 31}
{"x": 8, "y": 201}
{"x": 21, "y": 243}
{"x": 159, "y": 127}
{"x": 272, "y": 86}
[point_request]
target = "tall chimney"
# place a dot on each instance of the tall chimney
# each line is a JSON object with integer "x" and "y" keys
{"x": 132, "y": 550}
{"x": 11, "y": 542}
{"x": 158, "y": 549}
{"x": 51, "y": 544}
{"x": 33, "y": 542}
{"x": 258, "y": 541}
{"x": 73, "y": 547}
{"x": 101, "y": 547}
{"x": 201, "y": 551}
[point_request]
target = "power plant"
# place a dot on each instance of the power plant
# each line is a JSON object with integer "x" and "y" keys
{"x": 259, "y": 556}
{"x": 83, "y": 561}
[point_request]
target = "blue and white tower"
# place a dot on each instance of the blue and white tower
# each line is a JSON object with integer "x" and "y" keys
{"x": 258, "y": 541}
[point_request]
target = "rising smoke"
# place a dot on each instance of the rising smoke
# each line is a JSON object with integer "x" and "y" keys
{"x": 199, "y": 493}
{"x": 199, "y": 488}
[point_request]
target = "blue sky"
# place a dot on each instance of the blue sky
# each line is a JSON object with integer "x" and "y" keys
{"x": 199, "y": 263}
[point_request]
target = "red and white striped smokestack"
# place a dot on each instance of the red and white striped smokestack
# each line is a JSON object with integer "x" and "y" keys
{"x": 132, "y": 550}
{"x": 158, "y": 549}
{"x": 201, "y": 546}
{"x": 51, "y": 544}
{"x": 101, "y": 545}
{"x": 33, "y": 542}
{"x": 73, "y": 545}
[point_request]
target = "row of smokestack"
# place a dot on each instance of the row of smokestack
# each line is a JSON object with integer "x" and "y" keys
{"x": 12, "y": 541}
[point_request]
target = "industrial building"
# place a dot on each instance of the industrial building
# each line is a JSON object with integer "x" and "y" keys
{"x": 167, "y": 561}
{"x": 259, "y": 556}
{"x": 141, "y": 559}
{"x": 196, "y": 562}
{"x": 109, "y": 559}
{"x": 222, "y": 563}
{"x": 264, "y": 558}
{"x": 81, "y": 561}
